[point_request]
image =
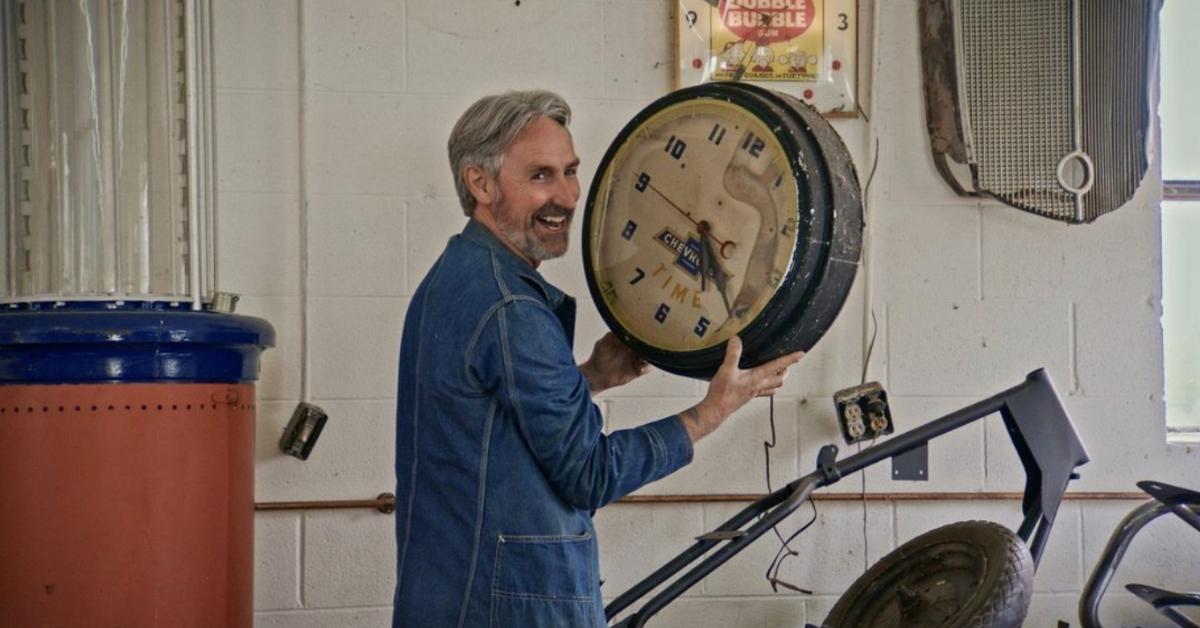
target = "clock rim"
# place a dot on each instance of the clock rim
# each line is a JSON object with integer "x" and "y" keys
{"x": 810, "y": 249}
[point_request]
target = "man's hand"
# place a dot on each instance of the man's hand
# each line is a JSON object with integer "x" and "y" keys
{"x": 612, "y": 364}
{"x": 732, "y": 387}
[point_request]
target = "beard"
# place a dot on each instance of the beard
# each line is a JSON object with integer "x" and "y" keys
{"x": 524, "y": 236}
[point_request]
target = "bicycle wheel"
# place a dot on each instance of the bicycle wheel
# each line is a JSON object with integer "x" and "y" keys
{"x": 975, "y": 574}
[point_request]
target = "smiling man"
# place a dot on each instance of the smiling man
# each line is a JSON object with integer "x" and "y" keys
{"x": 500, "y": 454}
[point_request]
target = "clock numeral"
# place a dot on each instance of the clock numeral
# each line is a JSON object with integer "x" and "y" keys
{"x": 609, "y": 290}
{"x": 774, "y": 279}
{"x": 661, "y": 314}
{"x": 630, "y": 227}
{"x": 753, "y": 144}
{"x": 676, "y": 147}
{"x": 641, "y": 274}
{"x": 642, "y": 182}
{"x": 779, "y": 181}
{"x": 788, "y": 227}
{"x": 717, "y": 134}
{"x": 701, "y": 327}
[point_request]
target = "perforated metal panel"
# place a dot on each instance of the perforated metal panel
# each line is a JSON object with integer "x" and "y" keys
{"x": 1046, "y": 101}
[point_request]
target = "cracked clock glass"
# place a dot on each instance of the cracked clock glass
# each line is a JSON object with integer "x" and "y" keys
{"x": 698, "y": 223}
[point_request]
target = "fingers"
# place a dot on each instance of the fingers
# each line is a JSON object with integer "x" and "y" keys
{"x": 733, "y": 352}
{"x": 782, "y": 362}
{"x": 770, "y": 383}
{"x": 641, "y": 367}
{"x": 771, "y": 376}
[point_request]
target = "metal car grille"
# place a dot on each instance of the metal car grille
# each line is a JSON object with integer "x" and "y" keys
{"x": 1050, "y": 99}
{"x": 1116, "y": 35}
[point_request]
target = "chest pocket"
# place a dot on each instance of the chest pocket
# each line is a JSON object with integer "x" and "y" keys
{"x": 544, "y": 581}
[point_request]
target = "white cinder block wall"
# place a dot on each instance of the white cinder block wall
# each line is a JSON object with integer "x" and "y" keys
{"x": 335, "y": 198}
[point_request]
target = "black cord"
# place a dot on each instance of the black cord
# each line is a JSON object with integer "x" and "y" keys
{"x": 870, "y": 346}
{"x": 767, "y": 457}
{"x": 866, "y": 547}
{"x": 784, "y": 552}
{"x": 785, "y": 549}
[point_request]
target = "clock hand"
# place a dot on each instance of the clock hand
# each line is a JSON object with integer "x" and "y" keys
{"x": 720, "y": 277}
{"x": 726, "y": 244}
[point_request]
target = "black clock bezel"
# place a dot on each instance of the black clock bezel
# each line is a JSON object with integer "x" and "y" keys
{"x": 770, "y": 333}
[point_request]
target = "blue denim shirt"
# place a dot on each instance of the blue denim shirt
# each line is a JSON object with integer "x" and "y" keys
{"x": 500, "y": 457}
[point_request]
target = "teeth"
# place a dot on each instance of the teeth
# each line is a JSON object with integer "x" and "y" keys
{"x": 555, "y": 219}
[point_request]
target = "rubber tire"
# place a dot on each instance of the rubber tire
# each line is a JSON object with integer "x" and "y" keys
{"x": 990, "y": 554}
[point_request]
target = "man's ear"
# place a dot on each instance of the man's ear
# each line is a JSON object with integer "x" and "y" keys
{"x": 481, "y": 185}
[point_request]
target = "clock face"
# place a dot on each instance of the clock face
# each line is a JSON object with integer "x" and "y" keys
{"x": 722, "y": 209}
{"x": 693, "y": 224}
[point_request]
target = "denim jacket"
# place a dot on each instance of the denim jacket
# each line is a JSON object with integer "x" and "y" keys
{"x": 500, "y": 457}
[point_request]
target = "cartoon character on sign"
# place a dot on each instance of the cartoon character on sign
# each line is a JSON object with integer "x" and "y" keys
{"x": 762, "y": 58}
{"x": 731, "y": 57}
{"x": 796, "y": 61}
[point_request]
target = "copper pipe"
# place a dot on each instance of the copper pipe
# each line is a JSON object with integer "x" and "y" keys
{"x": 386, "y": 502}
{"x": 1181, "y": 190}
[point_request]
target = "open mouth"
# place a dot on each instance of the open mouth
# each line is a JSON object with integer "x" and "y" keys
{"x": 553, "y": 224}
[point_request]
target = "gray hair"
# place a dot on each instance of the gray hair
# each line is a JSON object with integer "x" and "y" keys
{"x": 488, "y": 127}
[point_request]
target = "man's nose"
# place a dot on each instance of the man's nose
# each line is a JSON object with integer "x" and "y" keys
{"x": 567, "y": 194}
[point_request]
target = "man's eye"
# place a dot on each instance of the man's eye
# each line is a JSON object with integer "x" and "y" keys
{"x": 539, "y": 176}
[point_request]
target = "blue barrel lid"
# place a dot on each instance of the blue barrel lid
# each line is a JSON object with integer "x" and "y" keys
{"x": 128, "y": 342}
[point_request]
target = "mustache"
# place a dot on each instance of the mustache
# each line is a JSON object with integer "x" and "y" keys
{"x": 550, "y": 210}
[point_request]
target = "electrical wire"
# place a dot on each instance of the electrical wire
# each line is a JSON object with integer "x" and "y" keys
{"x": 767, "y": 447}
{"x": 785, "y": 549}
{"x": 870, "y": 347}
{"x": 784, "y": 552}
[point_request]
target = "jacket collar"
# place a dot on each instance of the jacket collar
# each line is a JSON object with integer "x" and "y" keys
{"x": 476, "y": 232}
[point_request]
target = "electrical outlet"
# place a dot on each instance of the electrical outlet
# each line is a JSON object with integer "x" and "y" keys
{"x": 853, "y": 420}
{"x": 863, "y": 412}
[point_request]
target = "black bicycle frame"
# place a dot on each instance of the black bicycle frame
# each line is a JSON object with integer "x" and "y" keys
{"x": 1037, "y": 423}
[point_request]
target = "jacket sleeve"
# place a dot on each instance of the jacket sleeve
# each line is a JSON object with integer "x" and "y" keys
{"x": 522, "y": 356}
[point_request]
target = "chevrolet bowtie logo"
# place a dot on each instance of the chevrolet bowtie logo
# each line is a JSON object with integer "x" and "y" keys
{"x": 687, "y": 251}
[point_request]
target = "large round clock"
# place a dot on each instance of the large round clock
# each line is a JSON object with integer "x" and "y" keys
{"x": 722, "y": 209}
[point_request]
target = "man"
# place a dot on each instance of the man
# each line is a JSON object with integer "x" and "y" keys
{"x": 500, "y": 457}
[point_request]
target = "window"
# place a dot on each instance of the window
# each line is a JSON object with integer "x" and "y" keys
{"x": 1180, "y": 100}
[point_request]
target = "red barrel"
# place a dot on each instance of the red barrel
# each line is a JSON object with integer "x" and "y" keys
{"x": 127, "y": 503}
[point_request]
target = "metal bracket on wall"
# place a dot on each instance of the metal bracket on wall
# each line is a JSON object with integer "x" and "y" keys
{"x": 912, "y": 465}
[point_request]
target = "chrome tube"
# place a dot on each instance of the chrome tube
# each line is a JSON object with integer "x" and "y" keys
{"x": 1106, "y": 566}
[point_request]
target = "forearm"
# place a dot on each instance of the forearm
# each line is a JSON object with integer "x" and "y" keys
{"x": 701, "y": 419}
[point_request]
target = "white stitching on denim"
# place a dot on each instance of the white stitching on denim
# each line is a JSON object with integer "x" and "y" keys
{"x": 658, "y": 448}
{"x": 495, "y": 570}
{"x": 546, "y": 538}
{"x": 482, "y": 494}
{"x": 509, "y": 378}
{"x": 499, "y": 279}
{"x": 412, "y": 493}
{"x": 573, "y": 599}
{"x": 483, "y": 321}
{"x": 562, "y": 539}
